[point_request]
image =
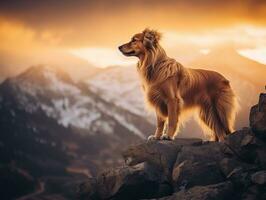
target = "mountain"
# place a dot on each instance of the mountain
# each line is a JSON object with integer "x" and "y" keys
{"x": 14, "y": 63}
{"x": 53, "y": 129}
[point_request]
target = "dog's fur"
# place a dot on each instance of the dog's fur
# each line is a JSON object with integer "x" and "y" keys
{"x": 172, "y": 89}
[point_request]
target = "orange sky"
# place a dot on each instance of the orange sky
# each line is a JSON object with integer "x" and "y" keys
{"x": 88, "y": 29}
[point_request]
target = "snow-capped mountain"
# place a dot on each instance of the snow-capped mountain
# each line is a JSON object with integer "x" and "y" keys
{"x": 52, "y": 91}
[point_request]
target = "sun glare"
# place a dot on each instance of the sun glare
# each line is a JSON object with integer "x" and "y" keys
{"x": 258, "y": 54}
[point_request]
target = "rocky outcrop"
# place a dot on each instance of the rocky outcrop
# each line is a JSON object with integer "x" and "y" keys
{"x": 258, "y": 117}
{"x": 190, "y": 168}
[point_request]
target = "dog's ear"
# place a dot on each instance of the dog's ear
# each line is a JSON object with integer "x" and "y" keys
{"x": 151, "y": 38}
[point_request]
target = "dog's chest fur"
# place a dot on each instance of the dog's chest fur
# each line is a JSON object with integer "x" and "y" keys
{"x": 156, "y": 99}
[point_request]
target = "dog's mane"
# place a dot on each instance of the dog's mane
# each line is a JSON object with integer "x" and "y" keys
{"x": 156, "y": 66}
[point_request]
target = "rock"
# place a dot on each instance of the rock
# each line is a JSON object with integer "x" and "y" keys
{"x": 124, "y": 183}
{"x": 219, "y": 191}
{"x": 237, "y": 172}
{"x": 196, "y": 173}
{"x": 257, "y": 117}
{"x": 158, "y": 155}
{"x": 207, "y": 151}
{"x": 242, "y": 144}
{"x": 259, "y": 177}
{"x": 229, "y": 166}
{"x": 198, "y": 165}
{"x": 152, "y": 151}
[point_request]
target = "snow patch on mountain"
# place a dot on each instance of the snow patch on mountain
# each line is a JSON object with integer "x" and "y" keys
{"x": 63, "y": 100}
{"x": 121, "y": 119}
{"x": 121, "y": 86}
{"x": 57, "y": 85}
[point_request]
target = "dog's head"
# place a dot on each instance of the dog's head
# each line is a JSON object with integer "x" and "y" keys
{"x": 141, "y": 43}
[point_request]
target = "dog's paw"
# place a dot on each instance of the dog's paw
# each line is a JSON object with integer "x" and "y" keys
{"x": 152, "y": 137}
{"x": 165, "y": 137}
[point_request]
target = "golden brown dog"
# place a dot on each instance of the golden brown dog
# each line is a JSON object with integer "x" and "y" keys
{"x": 171, "y": 89}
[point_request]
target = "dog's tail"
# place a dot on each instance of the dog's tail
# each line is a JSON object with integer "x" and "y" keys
{"x": 219, "y": 112}
{"x": 226, "y": 108}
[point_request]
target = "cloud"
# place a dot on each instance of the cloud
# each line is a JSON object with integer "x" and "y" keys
{"x": 82, "y": 23}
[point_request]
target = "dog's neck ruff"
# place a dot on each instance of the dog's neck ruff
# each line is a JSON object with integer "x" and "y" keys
{"x": 156, "y": 67}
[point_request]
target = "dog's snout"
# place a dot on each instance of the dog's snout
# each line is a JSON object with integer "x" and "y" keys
{"x": 120, "y": 47}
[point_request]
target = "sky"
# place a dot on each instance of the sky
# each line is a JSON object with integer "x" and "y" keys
{"x": 92, "y": 30}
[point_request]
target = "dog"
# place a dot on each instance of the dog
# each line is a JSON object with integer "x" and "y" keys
{"x": 171, "y": 89}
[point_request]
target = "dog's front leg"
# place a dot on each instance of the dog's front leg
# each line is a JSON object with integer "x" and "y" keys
{"x": 159, "y": 130}
{"x": 173, "y": 114}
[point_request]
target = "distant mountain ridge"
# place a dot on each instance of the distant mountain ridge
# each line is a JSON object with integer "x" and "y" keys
{"x": 228, "y": 60}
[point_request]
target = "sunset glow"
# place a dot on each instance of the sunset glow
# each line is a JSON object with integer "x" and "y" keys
{"x": 81, "y": 33}
{"x": 238, "y": 37}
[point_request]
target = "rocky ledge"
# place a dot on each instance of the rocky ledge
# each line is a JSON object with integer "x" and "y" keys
{"x": 190, "y": 168}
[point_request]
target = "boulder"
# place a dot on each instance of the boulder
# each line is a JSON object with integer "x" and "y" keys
{"x": 198, "y": 165}
{"x": 160, "y": 156}
{"x": 242, "y": 144}
{"x": 124, "y": 183}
